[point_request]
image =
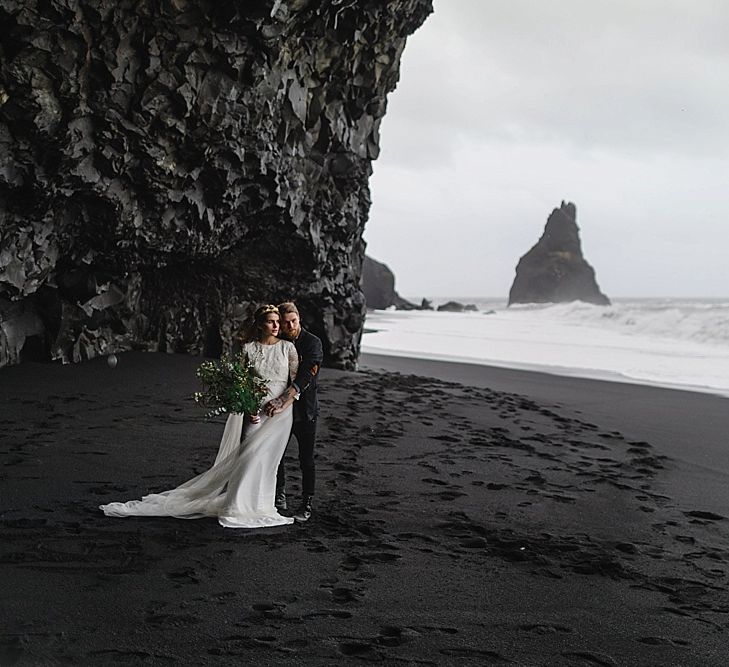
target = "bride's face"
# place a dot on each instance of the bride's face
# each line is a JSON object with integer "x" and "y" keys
{"x": 270, "y": 325}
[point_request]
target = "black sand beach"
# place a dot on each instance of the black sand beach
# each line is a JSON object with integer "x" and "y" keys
{"x": 476, "y": 516}
{"x": 690, "y": 427}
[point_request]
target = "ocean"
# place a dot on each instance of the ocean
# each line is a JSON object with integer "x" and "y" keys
{"x": 677, "y": 343}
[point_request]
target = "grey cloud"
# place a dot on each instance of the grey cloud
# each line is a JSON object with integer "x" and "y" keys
{"x": 600, "y": 75}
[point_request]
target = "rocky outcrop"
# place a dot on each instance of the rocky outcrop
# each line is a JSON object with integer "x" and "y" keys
{"x": 166, "y": 165}
{"x": 456, "y": 307}
{"x": 554, "y": 270}
{"x": 378, "y": 285}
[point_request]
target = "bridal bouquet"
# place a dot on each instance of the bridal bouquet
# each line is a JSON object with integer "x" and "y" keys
{"x": 230, "y": 385}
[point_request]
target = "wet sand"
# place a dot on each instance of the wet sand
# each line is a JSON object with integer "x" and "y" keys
{"x": 471, "y": 517}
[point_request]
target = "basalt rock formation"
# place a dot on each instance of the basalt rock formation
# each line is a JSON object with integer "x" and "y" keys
{"x": 456, "y": 307}
{"x": 166, "y": 165}
{"x": 554, "y": 270}
{"x": 378, "y": 285}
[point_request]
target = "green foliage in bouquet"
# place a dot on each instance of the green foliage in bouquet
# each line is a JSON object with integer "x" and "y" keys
{"x": 230, "y": 385}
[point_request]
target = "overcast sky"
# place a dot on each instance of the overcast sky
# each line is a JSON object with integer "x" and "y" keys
{"x": 507, "y": 107}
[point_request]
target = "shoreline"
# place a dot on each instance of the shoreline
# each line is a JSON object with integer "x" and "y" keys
{"x": 463, "y": 516}
{"x": 559, "y": 371}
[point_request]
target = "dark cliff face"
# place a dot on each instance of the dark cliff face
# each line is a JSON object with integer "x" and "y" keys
{"x": 554, "y": 270}
{"x": 166, "y": 165}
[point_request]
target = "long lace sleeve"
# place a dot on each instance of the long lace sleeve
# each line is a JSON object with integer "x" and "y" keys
{"x": 293, "y": 361}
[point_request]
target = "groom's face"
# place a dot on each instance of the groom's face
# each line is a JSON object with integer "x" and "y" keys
{"x": 290, "y": 326}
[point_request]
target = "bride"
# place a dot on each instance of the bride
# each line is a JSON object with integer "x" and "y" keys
{"x": 239, "y": 488}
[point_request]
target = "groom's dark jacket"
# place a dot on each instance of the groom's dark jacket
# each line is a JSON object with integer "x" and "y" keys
{"x": 311, "y": 355}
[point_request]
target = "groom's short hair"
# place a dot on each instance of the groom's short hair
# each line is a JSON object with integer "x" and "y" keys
{"x": 288, "y": 307}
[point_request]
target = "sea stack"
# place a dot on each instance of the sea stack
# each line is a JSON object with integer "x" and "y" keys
{"x": 378, "y": 285}
{"x": 554, "y": 270}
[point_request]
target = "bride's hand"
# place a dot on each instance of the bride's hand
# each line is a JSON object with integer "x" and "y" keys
{"x": 254, "y": 419}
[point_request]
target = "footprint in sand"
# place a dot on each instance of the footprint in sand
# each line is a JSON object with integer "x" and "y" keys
{"x": 185, "y": 575}
{"x": 361, "y": 650}
{"x": 172, "y": 620}
{"x": 392, "y": 635}
{"x": 584, "y": 658}
{"x": 329, "y": 613}
{"x": 706, "y": 516}
{"x": 664, "y": 641}
{"x": 343, "y": 595}
{"x": 270, "y": 609}
{"x": 546, "y": 628}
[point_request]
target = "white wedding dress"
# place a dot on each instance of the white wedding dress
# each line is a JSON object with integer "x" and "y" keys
{"x": 240, "y": 487}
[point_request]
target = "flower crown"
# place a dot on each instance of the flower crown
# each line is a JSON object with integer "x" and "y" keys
{"x": 262, "y": 311}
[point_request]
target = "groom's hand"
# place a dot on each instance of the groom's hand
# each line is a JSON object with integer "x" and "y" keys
{"x": 272, "y": 406}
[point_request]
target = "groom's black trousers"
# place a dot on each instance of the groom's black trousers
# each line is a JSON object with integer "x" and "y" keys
{"x": 305, "y": 433}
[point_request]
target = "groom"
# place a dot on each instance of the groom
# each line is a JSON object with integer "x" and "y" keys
{"x": 306, "y": 408}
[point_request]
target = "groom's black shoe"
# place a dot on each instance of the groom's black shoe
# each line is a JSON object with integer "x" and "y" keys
{"x": 303, "y": 514}
{"x": 280, "y": 502}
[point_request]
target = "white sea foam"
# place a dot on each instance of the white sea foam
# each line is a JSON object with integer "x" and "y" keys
{"x": 667, "y": 342}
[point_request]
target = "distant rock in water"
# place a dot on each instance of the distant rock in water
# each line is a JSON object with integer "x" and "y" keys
{"x": 554, "y": 270}
{"x": 378, "y": 285}
{"x": 456, "y": 307}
